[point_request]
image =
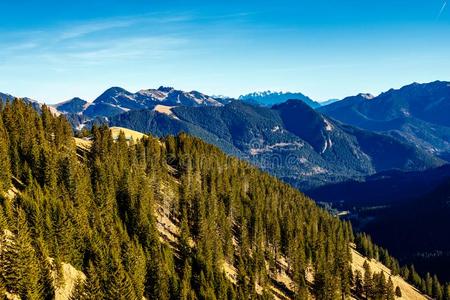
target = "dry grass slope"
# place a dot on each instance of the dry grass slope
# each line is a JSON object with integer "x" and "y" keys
{"x": 129, "y": 134}
{"x": 408, "y": 291}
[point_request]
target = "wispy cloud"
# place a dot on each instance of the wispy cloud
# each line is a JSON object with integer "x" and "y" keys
{"x": 92, "y": 27}
{"x": 127, "y": 48}
{"x": 22, "y": 46}
{"x": 95, "y": 42}
{"x": 89, "y": 27}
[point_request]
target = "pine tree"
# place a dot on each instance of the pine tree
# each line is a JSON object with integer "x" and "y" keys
{"x": 359, "y": 284}
{"x": 390, "y": 295}
{"x": 120, "y": 286}
{"x": 79, "y": 290}
{"x": 185, "y": 287}
{"x": 46, "y": 280}
{"x": 447, "y": 291}
{"x": 379, "y": 289}
{"x": 185, "y": 244}
{"x": 437, "y": 292}
{"x": 368, "y": 280}
{"x": 415, "y": 278}
{"x": 135, "y": 265}
{"x": 428, "y": 284}
{"x": 92, "y": 286}
{"x": 404, "y": 273}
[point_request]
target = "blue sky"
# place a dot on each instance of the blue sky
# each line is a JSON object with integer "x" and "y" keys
{"x": 55, "y": 50}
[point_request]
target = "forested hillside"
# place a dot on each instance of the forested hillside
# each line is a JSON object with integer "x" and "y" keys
{"x": 163, "y": 219}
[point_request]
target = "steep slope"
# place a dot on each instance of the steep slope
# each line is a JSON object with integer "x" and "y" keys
{"x": 269, "y": 98}
{"x": 417, "y": 113}
{"x": 408, "y": 291}
{"x": 290, "y": 140}
{"x": 117, "y": 100}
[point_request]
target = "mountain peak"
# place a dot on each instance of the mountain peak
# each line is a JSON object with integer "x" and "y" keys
{"x": 269, "y": 98}
{"x": 73, "y": 100}
{"x": 366, "y": 96}
{"x": 292, "y": 103}
{"x": 75, "y": 105}
{"x": 115, "y": 90}
{"x": 165, "y": 89}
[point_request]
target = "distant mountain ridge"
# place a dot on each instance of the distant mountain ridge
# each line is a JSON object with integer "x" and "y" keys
{"x": 269, "y": 98}
{"x": 6, "y": 97}
{"x": 416, "y": 113}
{"x": 9, "y": 98}
{"x": 117, "y": 100}
{"x": 328, "y": 102}
{"x": 35, "y": 104}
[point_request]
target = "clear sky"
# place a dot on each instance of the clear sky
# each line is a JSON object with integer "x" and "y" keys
{"x": 55, "y": 50}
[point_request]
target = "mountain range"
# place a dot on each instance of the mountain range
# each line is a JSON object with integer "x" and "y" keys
{"x": 117, "y": 100}
{"x": 416, "y": 113}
